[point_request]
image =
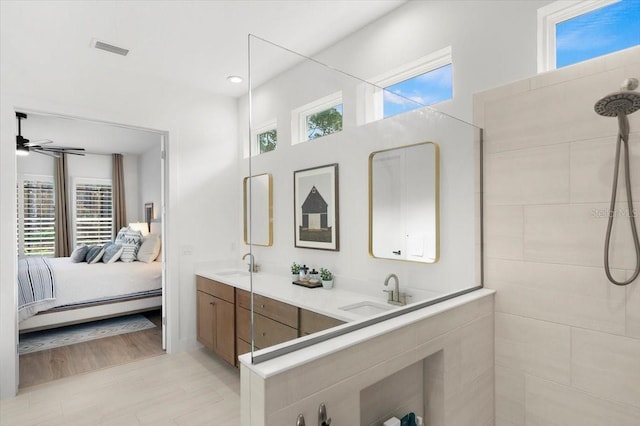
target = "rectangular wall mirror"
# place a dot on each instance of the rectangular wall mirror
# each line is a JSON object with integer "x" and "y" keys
{"x": 404, "y": 203}
{"x": 258, "y": 210}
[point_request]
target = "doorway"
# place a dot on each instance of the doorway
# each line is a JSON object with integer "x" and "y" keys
{"x": 89, "y": 182}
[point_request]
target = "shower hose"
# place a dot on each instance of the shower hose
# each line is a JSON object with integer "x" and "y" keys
{"x": 634, "y": 231}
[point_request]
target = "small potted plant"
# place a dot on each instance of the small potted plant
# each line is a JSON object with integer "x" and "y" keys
{"x": 295, "y": 271}
{"x": 327, "y": 278}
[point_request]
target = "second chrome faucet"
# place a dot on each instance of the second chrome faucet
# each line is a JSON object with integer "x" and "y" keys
{"x": 253, "y": 267}
{"x": 395, "y": 296}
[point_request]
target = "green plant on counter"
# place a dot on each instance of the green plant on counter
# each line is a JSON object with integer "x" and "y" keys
{"x": 295, "y": 268}
{"x": 325, "y": 274}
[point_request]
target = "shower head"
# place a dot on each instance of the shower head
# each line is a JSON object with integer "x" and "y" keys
{"x": 626, "y": 101}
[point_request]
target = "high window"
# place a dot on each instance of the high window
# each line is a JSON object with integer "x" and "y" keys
{"x": 319, "y": 118}
{"x": 423, "y": 82}
{"x": 569, "y": 33}
{"x": 36, "y": 216}
{"x": 265, "y": 138}
{"x": 93, "y": 211}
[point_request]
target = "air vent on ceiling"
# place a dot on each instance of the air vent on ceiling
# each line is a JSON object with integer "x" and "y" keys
{"x": 109, "y": 47}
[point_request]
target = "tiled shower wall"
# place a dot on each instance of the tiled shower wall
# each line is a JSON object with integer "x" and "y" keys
{"x": 567, "y": 342}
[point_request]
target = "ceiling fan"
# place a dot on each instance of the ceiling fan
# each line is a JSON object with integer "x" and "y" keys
{"x": 24, "y": 146}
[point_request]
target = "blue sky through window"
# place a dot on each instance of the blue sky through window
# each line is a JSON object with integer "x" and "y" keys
{"x": 605, "y": 30}
{"x": 422, "y": 90}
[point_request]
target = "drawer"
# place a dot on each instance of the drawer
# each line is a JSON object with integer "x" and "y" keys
{"x": 214, "y": 288}
{"x": 311, "y": 322}
{"x": 279, "y": 311}
{"x": 268, "y": 332}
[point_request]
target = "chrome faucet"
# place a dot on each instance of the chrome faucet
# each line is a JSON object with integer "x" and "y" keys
{"x": 252, "y": 263}
{"x": 395, "y": 297}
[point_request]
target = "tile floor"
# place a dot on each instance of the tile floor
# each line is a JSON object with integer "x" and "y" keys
{"x": 192, "y": 388}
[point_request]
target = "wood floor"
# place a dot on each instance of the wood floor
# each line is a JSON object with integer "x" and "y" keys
{"x": 44, "y": 366}
{"x": 186, "y": 389}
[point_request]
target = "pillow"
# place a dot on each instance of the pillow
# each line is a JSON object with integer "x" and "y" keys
{"x": 94, "y": 254}
{"x": 121, "y": 234}
{"x": 112, "y": 252}
{"x": 149, "y": 249}
{"x": 79, "y": 254}
{"x": 130, "y": 243}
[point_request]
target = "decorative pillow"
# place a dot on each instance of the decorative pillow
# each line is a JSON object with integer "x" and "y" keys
{"x": 130, "y": 243}
{"x": 149, "y": 249}
{"x": 121, "y": 234}
{"x": 112, "y": 252}
{"x": 95, "y": 254}
{"x": 79, "y": 254}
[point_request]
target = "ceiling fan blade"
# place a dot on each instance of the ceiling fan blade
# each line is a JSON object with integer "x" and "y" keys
{"x": 50, "y": 154}
{"x": 39, "y": 142}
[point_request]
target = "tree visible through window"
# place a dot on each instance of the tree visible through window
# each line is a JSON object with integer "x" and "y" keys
{"x": 324, "y": 122}
{"x": 268, "y": 140}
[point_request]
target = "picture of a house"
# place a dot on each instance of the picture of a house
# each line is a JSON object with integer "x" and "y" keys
{"x": 315, "y": 225}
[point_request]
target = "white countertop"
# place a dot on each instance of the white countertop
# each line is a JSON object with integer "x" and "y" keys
{"x": 320, "y": 300}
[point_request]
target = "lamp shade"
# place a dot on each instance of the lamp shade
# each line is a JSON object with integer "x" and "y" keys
{"x": 140, "y": 226}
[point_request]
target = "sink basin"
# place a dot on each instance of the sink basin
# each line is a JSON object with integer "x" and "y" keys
{"x": 233, "y": 273}
{"x": 366, "y": 308}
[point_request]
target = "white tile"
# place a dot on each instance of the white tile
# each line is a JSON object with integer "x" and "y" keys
{"x": 536, "y": 347}
{"x": 528, "y": 176}
{"x": 574, "y": 234}
{"x": 522, "y": 120}
{"x": 504, "y": 232}
{"x": 509, "y": 396}
{"x": 605, "y": 365}
{"x": 592, "y": 167}
{"x": 552, "y": 404}
{"x": 567, "y": 294}
{"x": 633, "y": 307}
{"x": 474, "y": 405}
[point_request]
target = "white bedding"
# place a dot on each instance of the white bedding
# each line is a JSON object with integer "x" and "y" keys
{"x": 83, "y": 282}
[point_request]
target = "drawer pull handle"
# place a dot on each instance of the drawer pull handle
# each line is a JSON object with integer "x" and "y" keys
{"x": 262, "y": 306}
{"x": 212, "y": 303}
{"x": 264, "y": 334}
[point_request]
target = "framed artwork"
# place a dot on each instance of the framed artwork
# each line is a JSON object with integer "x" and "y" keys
{"x": 148, "y": 214}
{"x": 315, "y": 202}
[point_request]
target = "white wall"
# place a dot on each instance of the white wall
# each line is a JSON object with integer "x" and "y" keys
{"x": 201, "y": 170}
{"x": 150, "y": 184}
{"x": 483, "y": 56}
{"x": 567, "y": 341}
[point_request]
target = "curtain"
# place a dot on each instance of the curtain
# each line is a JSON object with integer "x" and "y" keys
{"x": 62, "y": 228}
{"x": 119, "y": 209}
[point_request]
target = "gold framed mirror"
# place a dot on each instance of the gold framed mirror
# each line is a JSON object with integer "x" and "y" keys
{"x": 404, "y": 203}
{"x": 258, "y": 210}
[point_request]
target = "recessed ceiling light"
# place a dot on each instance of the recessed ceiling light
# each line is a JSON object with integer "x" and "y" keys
{"x": 234, "y": 79}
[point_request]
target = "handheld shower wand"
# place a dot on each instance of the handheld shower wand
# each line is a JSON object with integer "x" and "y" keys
{"x": 621, "y": 104}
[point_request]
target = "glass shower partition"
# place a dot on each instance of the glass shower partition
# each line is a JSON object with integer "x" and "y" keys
{"x": 388, "y": 204}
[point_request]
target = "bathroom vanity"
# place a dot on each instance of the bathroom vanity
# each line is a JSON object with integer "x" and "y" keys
{"x": 224, "y": 318}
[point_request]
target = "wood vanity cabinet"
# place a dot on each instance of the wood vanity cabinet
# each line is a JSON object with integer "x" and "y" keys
{"x": 311, "y": 322}
{"x": 224, "y": 320}
{"x": 216, "y": 319}
{"x": 274, "y": 321}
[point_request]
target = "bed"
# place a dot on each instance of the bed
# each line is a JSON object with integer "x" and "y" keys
{"x": 86, "y": 292}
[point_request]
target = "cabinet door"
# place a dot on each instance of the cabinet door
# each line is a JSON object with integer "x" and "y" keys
{"x": 225, "y": 333}
{"x": 206, "y": 319}
{"x": 216, "y": 326}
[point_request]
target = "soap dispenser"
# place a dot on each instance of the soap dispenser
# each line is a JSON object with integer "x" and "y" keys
{"x": 303, "y": 273}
